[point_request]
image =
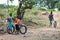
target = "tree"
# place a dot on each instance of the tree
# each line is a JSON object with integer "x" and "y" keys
{"x": 24, "y": 4}
{"x": 8, "y": 1}
{"x": 58, "y": 6}
{"x": 50, "y": 3}
{"x": 11, "y": 1}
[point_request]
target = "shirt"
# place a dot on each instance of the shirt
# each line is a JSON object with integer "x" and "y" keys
{"x": 50, "y": 17}
{"x": 10, "y": 19}
{"x": 18, "y": 22}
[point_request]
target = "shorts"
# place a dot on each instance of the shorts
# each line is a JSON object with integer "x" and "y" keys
{"x": 17, "y": 27}
{"x": 51, "y": 21}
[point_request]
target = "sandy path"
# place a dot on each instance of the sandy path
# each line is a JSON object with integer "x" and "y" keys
{"x": 35, "y": 34}
{"x": 57, "y": 18}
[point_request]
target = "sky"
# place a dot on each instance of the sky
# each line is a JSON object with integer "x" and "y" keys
{"x": 15, "y": 2}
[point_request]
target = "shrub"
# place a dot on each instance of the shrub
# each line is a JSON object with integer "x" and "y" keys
{"x": 50, "y": 10}
{"x": 35, "y": 11}
{"x": 58, "y": 6}
{"x": 43, "y": 9}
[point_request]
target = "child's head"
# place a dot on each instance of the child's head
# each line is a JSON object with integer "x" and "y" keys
{"x": 11, "y": 14}
{"x": 55, "y": 21}
{"x": 16, "y": 18}
{"x": 51, "y": 12}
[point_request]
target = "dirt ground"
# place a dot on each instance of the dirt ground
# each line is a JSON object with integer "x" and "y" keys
{"x": 46, "y": 33}
{"x": 34, "y": 34}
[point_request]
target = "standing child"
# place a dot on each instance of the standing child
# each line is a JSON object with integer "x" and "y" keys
{"x": 51, "y": 18}
{"x": 55, "y": 24}
{"x": 10, "y": 25}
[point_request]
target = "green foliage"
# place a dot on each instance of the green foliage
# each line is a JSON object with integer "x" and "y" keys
{"x": 50, "y": 10}
{"x": 27, "y": 17}
{"x": 42, "y": 9}
{"x": 51, "y": 4}
{"x": 13, "y": 11}
{"x": 1, "y": 6}
{"x": 11, "y": 0}
{"x": 23, "y": 5}
{"x": 1, "y": 15}
{"x": 58, "y": 6}
{"x": 28, "y": 3}
{"x": 34, "y": 11}
{"x": 31, "y": 20}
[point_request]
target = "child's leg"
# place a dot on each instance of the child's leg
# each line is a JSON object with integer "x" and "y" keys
{"x": 50, "y": 23}
{"x": 17, "y": 29}
{"x": 55, "y": 25}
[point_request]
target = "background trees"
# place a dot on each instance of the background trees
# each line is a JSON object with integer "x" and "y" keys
{"x": 28, "y": 4}
{"x": 24, "y": 4}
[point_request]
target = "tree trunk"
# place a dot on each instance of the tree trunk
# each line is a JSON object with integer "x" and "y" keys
{"x": 19, "y": 11}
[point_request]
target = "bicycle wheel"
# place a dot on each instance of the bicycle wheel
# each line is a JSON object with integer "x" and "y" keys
{"x": 9, "y": 31}
{"x": 23, "y": 29}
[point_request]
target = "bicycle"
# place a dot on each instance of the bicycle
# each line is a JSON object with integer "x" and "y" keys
{"x": 23, "y": 29}
{"x": 10, "y": 31}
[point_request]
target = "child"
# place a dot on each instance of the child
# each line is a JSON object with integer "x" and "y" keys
{"x": 51, "y": 18}
{"x": 17, "y": 24}
{"x": 10, "y": 25}
{"x": 55, "y": 24}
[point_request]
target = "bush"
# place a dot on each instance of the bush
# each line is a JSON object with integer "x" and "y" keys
{"x": 50, "y": 10}
{"x": 43, "y": 9}
{"x": 1, "y": 6}
{"x": 58, "y": 6}
{"x": 11, "y": 10}
{"x": 35, "y": 11}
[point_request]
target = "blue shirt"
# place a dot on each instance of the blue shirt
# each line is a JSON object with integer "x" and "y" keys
{"x": 10, "y": 19}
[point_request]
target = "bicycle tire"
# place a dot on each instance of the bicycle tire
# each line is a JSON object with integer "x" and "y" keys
{"x": 25, "y": 29}
{"x": 10, "y": 30}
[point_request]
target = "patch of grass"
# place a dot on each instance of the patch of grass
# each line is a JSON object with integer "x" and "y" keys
{"x": 50, "y": 10}
{"x": 35, "y": 11}
{"x": 34, "y": 21}
{"x": 42, "y": 9}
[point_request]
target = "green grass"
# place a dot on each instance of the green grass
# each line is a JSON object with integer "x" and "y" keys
{"x": 37, "y": 21}
{"x": 34, "y": 11}
{"x": 42, "y": 9}
{"x": 50, "y": 10}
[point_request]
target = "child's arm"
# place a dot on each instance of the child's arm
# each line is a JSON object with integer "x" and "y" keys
{"x": 53, "y": 17}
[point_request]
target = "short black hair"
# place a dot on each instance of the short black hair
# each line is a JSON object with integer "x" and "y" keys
{"x": 51, "y": 12}
{"x": 18, "y": 17}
